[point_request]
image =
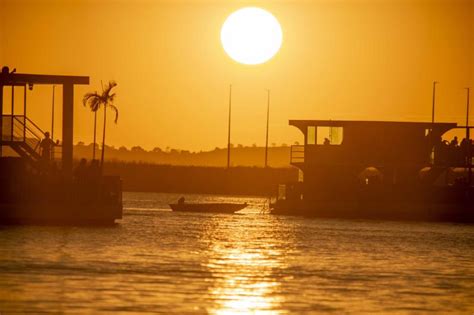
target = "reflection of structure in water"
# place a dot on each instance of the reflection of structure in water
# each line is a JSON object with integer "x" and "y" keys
{"x": 375, "y": 169}
{"x": 36, "y": 173}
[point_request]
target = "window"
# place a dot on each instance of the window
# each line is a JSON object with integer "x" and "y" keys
{"x": 329, "y": 135}
{"x": 311, "y": 135}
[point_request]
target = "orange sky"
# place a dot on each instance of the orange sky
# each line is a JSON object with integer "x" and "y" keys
{"x": 346, "y": 59}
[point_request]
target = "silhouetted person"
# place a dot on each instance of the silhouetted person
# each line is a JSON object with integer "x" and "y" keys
{"x": 326, "y": 141}
{"x": 46, "y": 146}
{"x": 181, "y": 201}
{"x": 454, "y": 142}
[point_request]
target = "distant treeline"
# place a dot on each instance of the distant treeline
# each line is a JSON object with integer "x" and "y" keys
{"x": 193, "y": 179}
{"x": 278, "y": 156}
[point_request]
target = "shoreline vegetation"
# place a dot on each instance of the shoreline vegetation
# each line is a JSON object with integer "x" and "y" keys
{"x": 178, "y": 171}
{"x": 239, "y": 180}
{"x": 278, "y": 156}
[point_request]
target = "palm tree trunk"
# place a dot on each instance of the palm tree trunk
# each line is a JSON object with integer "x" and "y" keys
{"x": 95, "y": 135}
{"x": 103, "y": 139}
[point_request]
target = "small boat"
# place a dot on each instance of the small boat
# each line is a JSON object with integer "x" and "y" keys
{"x": 208, "y": 207}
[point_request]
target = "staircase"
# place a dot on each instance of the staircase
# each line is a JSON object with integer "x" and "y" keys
{"x": 24, "y": 137}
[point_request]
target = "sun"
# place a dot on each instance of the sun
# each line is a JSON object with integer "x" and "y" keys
{"x": 251, "y": 36}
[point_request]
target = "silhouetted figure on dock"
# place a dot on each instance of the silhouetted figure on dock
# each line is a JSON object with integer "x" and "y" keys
{"x": 454, "y": 142}
{"x": 46, "y": 146}
{"x": 452, "y": 153}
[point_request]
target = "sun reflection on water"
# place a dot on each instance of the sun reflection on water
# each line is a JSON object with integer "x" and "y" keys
{"x": 244, "y": 275}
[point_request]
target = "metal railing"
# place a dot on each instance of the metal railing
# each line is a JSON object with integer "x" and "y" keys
{"x": 297, "y": 154}
{"x": 20, "y": 129}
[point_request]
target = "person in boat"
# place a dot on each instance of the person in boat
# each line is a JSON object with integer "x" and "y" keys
{"x": 181, "y": 201}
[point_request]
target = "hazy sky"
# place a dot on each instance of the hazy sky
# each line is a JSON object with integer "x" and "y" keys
{"x": 346, "y": 59}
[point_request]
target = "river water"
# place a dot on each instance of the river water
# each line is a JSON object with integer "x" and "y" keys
{"x": 158, "y": 261}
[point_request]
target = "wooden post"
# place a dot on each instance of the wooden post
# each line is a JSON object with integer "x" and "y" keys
{"x": 68, "y": 121}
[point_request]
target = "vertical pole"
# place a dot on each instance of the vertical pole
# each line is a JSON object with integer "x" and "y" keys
{"x": 68, "y": 115}
{"x": 433, "y": 140}
{"x": 24, "y": 101}
{"x": 228, "y": 134}
{"x": 13, "y": 110}
{"x": 52, "y": 116}
{"x": 268, "y": 120}
{"x": 468, "y": 139}
{"x": 24, "y": 113}
{"x": 95, "y": 135}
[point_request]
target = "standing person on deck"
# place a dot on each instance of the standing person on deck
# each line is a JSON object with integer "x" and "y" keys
{"x": 46, "y": 146}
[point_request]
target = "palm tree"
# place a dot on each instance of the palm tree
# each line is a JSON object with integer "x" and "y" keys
{"x": 95, "y": 102}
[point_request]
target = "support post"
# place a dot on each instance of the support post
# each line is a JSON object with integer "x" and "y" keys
{"x": 68, "y": 120}
{"x": 13, "y": 112}
{"x": 24, "y": 113}
{"x": 52, "y": 115}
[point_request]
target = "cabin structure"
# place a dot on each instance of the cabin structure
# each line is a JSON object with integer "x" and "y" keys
{"x": 378, "y": 169}
{"x": 36, "y": 187}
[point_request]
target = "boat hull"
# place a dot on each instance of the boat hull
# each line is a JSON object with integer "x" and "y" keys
{"x": 208, "y": 207}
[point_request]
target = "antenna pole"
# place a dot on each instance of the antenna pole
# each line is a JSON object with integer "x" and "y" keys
{"x": 268, "y": 120}
{"x": 228, "y": 133}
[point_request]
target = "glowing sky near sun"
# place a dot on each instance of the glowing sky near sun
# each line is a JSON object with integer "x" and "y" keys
{"x": 339, "y": 60}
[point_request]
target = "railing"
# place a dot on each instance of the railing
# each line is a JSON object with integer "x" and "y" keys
{"x": 297, "y": 154}
{"x": 18, "y": 128}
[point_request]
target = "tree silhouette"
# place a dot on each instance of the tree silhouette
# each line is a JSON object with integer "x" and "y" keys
{"x": 95, "y": 102}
